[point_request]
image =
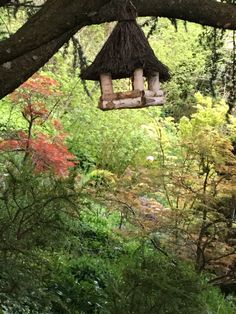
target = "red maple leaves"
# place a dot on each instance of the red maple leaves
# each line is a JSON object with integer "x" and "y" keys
{"x": 48, "y": 153}
{"x": 35, "y": 110}
{"x": 40, "y": 85}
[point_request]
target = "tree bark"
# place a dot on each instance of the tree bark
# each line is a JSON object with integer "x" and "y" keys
{"x": 38, "y": 39}
{"x": 16, "y": 72}
{"x": 4, "y": 2}
{"x": 54, "y": 19}
{"x": 59, "y": 16}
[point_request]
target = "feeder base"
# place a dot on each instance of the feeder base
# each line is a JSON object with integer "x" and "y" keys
{"x": 131, "y": 100}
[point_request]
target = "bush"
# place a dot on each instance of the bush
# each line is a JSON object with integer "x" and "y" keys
{"x": 153, "y": 284}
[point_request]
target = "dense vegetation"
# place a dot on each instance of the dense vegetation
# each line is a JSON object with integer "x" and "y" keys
{"x": 121, "y": 212}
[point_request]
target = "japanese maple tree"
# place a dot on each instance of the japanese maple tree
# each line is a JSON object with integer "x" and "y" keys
{"x": 47, "y": 153}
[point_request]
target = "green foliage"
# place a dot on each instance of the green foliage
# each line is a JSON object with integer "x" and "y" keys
{"x": 74, "y": 245}
{"x": 30, "y": 204}
{"x": 79, "y": 286}
{"x": 10, "y": 118}
{"x": 113, "y": 141}
{"x": 152, "y": 283}
{"x": 181, "y": 51}
{"x": 184, "y": 150}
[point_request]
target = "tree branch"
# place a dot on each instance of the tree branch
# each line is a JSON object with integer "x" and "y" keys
{"x": 55, "y": 18}
{"x": 43, "y": 34}
{"x": 4, "y": 2}
{"x": 67, "y": 14}
{"x": 16, "y": 72}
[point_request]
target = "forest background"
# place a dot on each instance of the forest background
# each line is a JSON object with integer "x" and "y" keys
{"x": 124, "y": 211}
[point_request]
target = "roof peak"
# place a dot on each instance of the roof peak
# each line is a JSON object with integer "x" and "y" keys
{"x": 126, "y": 50}
{"x": 126, "y": 11}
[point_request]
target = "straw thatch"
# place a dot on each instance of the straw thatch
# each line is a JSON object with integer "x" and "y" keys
{"x": 126, "y": 49}
{"x": 126, "y": 11}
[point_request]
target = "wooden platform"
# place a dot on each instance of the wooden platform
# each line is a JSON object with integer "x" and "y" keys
{"x": 131, "y": 100}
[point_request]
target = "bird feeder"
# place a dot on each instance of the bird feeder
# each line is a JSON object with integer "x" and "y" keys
{"x": 128, "y": 54}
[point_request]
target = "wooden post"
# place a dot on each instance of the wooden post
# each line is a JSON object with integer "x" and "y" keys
{"x": 138, "y": 82}
{"x": 154, "y": 83}
{"x": 106, "y": 84}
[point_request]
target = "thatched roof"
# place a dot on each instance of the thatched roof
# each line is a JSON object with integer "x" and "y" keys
{"x": 126, "y": 49}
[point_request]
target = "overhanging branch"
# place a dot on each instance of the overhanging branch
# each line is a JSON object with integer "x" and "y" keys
{"x": 38, "y": 39}
{"x": 16, "y": 72}
{"x": 4, "y": 2}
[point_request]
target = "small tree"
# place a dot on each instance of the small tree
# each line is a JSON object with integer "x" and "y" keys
{"x": 37, "y": 198}
{"x": 195, "y": 174}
